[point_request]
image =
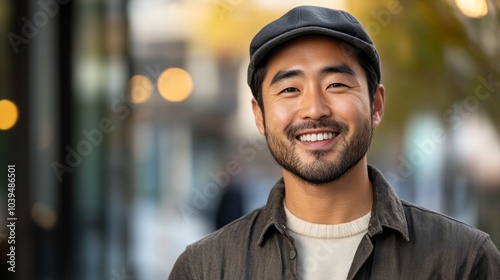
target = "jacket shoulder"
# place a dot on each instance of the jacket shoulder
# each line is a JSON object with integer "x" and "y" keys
{"x": 432, "y": 230}
{"x": 423, "y": 219}
{"x": 210, "y": 255}
{"x": 229, "y": 239}
{"x": 444, "y": 240}
{"x": 240, "y": 230}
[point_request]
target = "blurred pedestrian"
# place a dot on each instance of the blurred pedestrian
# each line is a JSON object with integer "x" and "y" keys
{"x": 230, "y": 206}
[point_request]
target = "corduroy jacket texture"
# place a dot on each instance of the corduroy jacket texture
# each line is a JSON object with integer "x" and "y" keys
{"x": 404, "y": 241}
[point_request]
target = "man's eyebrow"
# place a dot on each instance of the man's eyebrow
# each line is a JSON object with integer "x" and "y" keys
{"x": 285, "y": 74}
{"x": 340, "y": 68}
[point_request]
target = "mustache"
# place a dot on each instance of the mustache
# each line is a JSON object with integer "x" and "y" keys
{"x": 292, "y": 130}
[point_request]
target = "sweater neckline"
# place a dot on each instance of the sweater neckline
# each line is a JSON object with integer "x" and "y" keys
{"x": 322, "y": 231}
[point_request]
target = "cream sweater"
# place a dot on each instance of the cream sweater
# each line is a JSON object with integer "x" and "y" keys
{"x": 325, "y": 251}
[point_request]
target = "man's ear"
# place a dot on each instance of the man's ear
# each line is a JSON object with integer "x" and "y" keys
{"x": 378, "y": 105}
{"x": 259, "y": 116}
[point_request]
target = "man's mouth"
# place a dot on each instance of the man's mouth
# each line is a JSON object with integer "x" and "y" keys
{"x": 314, "y": 137}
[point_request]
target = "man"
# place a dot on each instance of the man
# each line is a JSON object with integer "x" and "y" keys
{"x": 315, "y": 76}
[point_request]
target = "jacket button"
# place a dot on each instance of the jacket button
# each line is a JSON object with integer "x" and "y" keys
{"x": 293, "y": 254}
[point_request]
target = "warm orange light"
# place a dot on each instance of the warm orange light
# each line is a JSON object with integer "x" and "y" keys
{"x": 473, "y": 8}
{"x": 175, "y": 84}
{"x": 43, "y": 215}
{"x": 8, "y": 114}
{"x": 140, "y": 89}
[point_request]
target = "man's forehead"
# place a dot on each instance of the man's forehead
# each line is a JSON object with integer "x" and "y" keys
{"x": 311, "y": 46}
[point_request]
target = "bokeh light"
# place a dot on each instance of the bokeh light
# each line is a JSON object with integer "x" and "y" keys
{"x": 175, "y": 84}
{"x": 140, "y": 89}
{"x": 43, "y": 215}
{"x": 8, "y": 114}
{"x": 473, "y": 8}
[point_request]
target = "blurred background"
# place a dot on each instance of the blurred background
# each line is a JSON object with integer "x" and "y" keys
{"x": 130, "y": 129}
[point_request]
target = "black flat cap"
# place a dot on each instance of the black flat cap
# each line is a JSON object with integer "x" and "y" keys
{"x": 311, "y": 20}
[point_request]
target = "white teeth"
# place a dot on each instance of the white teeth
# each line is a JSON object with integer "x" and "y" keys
{"x": 316, "y": 137}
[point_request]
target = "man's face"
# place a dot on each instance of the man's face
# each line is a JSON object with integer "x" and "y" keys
{"x": 318, "y": 121}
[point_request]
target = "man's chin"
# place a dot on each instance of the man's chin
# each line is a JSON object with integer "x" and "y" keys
{"x": 312, "y": 156}
{"x": 316, "y": 180}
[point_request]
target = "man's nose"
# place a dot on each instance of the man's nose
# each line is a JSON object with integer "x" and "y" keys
{"x": 314, "y": 104}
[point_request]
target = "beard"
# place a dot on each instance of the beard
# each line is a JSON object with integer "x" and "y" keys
{"x": 321, "y": 171}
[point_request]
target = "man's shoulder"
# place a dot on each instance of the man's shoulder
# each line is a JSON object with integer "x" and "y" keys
{"x": 211, "y": 256}
{"x": 243, "y": 230}
{"x": 422, "y": 220}
{"x": 441, "y": 239}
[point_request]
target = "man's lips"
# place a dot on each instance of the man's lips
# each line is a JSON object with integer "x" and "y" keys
{"x": 317, "y": 135}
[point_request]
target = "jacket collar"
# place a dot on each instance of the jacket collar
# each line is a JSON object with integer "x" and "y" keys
{"x": 274, "y": 213}
{"x": 387, "y": 209}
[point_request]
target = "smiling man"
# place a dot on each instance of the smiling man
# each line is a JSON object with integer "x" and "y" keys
{"x": 315, "y": 76}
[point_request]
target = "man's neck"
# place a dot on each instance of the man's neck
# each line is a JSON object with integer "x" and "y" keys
{"x": 344, "y": 200}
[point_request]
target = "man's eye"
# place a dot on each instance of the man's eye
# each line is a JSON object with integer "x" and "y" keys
{"x": 336, "y": 85}
{"x": 289, "y": 90}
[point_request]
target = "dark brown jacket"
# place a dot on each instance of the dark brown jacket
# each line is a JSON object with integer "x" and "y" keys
{"x": 404, "y": 241}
